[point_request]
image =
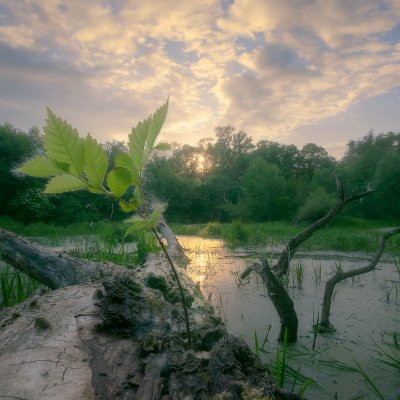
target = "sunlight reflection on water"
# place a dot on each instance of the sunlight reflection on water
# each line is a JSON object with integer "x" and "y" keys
{"x": 360, "y": 312}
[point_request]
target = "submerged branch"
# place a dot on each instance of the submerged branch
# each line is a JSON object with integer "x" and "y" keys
{"x": 342, "y": 275}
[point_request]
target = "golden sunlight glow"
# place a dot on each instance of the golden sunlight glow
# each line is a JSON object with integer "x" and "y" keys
{"x": 204, "y": 259}
{"x": 201, "y": 164}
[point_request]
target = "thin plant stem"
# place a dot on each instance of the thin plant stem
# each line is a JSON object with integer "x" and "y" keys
{"x": 178, "y": 282}
{"x": 175, "y": 273}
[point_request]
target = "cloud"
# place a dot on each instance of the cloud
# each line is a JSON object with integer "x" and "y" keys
{"x": 316, "y": 60}
{"x": 264, "y": 66}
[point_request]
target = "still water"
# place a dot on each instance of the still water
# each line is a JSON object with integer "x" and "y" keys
{"x": 365, "y": 312}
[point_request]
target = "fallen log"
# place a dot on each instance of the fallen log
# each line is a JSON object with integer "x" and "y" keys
{"x": 107, "y": 332}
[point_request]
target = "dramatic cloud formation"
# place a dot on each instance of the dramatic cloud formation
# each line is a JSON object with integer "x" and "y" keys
{"x": 270, "y": 68}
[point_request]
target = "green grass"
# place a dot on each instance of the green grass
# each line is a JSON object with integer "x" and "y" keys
{"x": 100, "y": 242}
{"x": 57, "y": 232}
{"x": 15, "y": 286}
{"x": 344, "y": 234}
{"x": 286, "y": 376}
{"x": 113, "y": 247}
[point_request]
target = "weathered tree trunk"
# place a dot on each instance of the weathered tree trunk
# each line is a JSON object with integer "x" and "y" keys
{"x": 280, "y": 298}
{"x": 283, "y": 304}
{"x": 325, "y": 324}
{"x": 107, "y": 332}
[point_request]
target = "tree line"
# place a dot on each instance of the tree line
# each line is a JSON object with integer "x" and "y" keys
{"x": 220, "y": 179}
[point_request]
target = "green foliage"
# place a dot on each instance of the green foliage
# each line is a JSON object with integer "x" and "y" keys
{"x": 63, "y": 144}
{"x": 316, "y": 206}
{"x": 142, "y": 138}
{"x": 148, "y": 223}
{"x": 15, "y": 286}
{"x": 41, "y": 167}
{"x": 285, "y": 375}
{"x": 119, "y": 180}
{"x": 85, "y": 164}
{"x": 96, "y": 163}
{"x": 115, "y": 246}
{"x": 236, "y": 234}
{"x": 65, "y": 183}
{"x": 264, "y": 196}
{"x": 74, "y": 163}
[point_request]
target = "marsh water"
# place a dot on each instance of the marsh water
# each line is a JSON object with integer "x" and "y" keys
{"x": 365, "y": 313}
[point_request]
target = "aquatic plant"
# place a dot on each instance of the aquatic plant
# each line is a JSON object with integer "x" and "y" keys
{"x": 317, "y": 274}
{"x": 115, "y": 249}
{"x": 315, "y": 332}
{"x": 286, "y": 375}
{"x": 369, "y": 381}
{"x": 236, "y": 234}
{"x": 299, "y": 273}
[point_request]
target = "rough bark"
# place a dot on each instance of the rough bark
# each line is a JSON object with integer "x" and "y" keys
{"x": 112, "y": 333}
{"x": 280, "y": 298}
{"x": 54, "y": 270}
{"x": 325, "y": 324}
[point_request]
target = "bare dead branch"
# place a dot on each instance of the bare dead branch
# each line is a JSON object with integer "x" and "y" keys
{"x": 282, "y": 266}
{"x": 342, "y": 275}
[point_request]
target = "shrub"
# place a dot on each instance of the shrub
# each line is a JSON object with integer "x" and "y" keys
{"x": 316, "y": 206}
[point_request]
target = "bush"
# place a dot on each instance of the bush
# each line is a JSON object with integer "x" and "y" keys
{"x": 316, "y": 206}
{"x": 236, "y": 234}
{"x": 212, "y": 229}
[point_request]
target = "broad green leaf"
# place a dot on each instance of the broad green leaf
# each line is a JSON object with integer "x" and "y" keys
{"x": 137, "y": 196}
{"x": 96, "y": 162}
{"x": 156, "y": 122}
{"x": 163, "y": 146}
{"x": 62, "y": 143}
{"x": 65, "y": 183}
{"x": 123, "y": 160}
{"x": 147, "y": 223}
{"x": 137, "y": 224}
{"x": 41, "y": 167}
{"x": 156, "y": 215}
{"x": 118, "y": 180}
{"x": 143, "y": 136}
{"x": 131, "y": 206}
{"x": 137, "y": 141}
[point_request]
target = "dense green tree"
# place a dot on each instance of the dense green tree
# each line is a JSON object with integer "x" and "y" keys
{"x": 373, "y": 162}
{"x": 219, "y": 179}
{"x": 230, "y": 147}
{"x": 287, "y": 158}
{"x": 314, "y": 158}
{"x": 264, "y": 193}
{"x": 16, "y": 146}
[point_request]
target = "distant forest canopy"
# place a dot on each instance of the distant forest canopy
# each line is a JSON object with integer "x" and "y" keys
{"x": 222, "y": 179}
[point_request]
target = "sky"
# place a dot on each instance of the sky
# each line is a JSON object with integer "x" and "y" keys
{"x": 290, "y": 71}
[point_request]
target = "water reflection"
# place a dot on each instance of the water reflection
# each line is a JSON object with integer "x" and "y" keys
{"x": 364, "y": 310}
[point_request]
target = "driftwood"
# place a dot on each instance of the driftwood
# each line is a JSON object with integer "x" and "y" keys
{"x": 325, "y": 324}
{"x": 107, "y": 332}
{"x": 273, "y": 277}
